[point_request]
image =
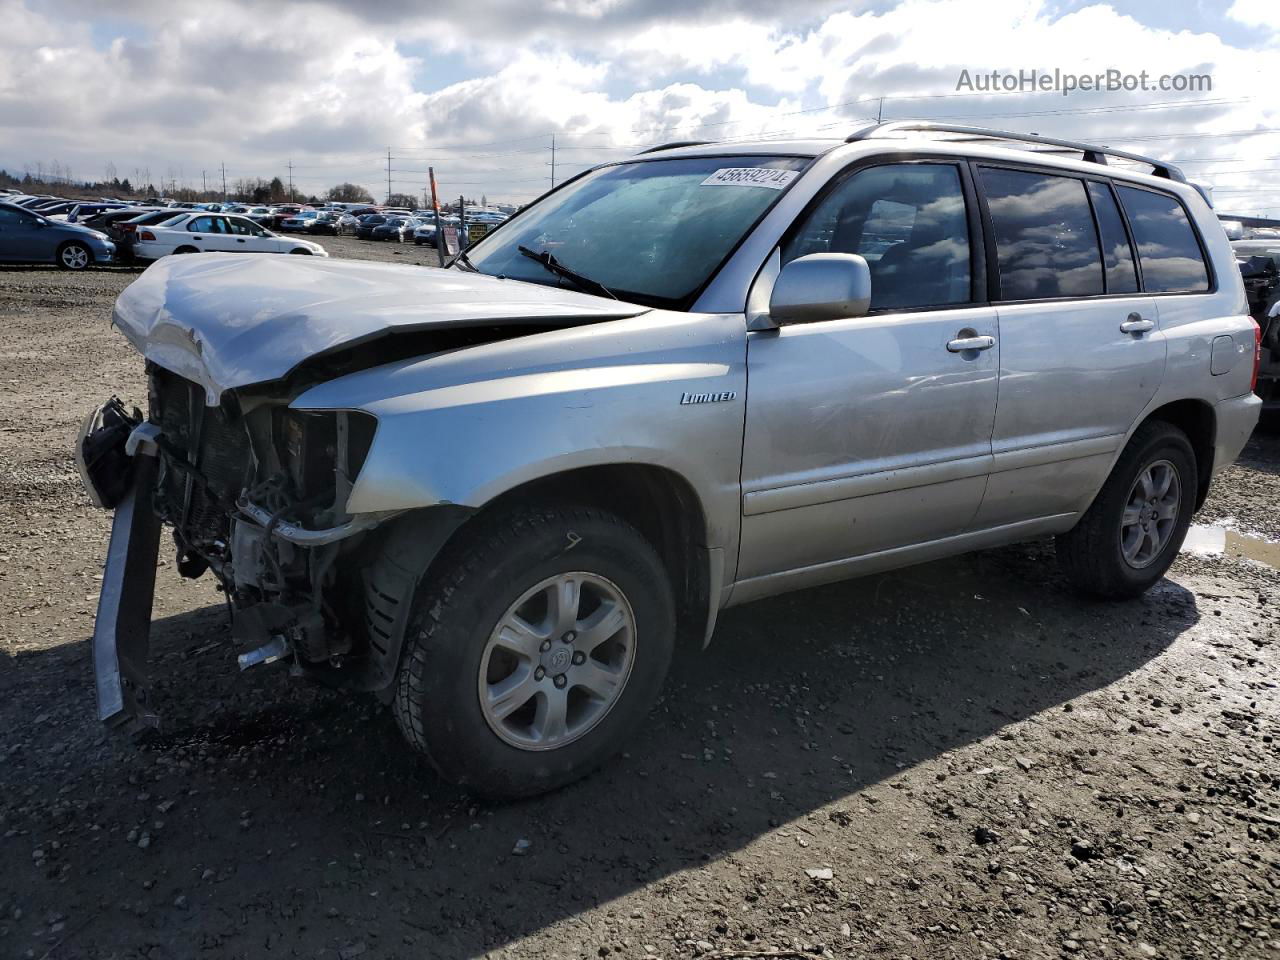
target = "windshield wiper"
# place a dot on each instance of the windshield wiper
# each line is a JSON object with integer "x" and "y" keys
{"x": 463, "y": 259}
{"x": 582, "y": 282}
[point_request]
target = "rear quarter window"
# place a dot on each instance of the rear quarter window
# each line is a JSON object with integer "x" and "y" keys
{"x": 1168, "y": 249}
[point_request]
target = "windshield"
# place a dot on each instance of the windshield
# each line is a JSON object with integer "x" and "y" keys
{"x": 651, "y": 231}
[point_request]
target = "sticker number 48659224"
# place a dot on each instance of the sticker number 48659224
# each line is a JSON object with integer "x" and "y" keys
{"x": 750, "y": 177}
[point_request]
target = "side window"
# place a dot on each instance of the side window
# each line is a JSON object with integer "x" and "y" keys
{"x": 1171, "y": 258}
{"x": 9, "y": 218}
{"x": 201, "y": 225}
{"x": 1046, "y": 244}
{"x": 907, "y": 220}
{"x": 241, "y": 228}
{"x": 1117, "y": 256}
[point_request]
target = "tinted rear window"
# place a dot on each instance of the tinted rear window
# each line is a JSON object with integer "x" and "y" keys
{"x": 1117, "y": 255}
{"x": 1167, "y": 246}
{"x": 1046, "y": 244}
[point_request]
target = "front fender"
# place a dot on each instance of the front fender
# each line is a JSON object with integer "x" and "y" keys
{"x": 465, "y": 427}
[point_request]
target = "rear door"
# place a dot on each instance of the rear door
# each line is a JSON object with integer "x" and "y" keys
{"x": 1081, "y": 352}
{"x": 872, "y": 433}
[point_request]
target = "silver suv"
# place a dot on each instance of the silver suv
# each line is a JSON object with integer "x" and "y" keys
{"x": 498, "y": 495}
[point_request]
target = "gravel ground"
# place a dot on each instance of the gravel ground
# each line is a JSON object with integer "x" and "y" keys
{"x": 958, "y": 760}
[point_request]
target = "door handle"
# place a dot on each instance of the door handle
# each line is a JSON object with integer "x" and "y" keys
{"x": 965, "y": 344}
{"x": 1137, "y": 323}
{"x": 239, "y": 239}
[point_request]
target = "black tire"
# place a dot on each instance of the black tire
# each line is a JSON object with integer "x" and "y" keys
{"x": 186, "y": 250}
{"x": 299, "y": 251}
{"x": 481, "y": 574}
{"x": 1091, "y": 555}
{"x": 74, "y": 256}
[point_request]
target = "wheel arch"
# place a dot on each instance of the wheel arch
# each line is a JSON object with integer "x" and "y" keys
{"x": 1196, "y": 419}
{"x": 406, "y": 551}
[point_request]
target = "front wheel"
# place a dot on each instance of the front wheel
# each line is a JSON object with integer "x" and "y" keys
{"x": 538, "y": 648}
{"x": 1129, "y": 537}
{"x": 74, "y": 256}
{"x": 301, "y": 252}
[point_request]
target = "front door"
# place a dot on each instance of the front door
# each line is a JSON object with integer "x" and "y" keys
{"x": 873, "y": 433}
{"x": 1081, "y": 352}
{"x": 15, "y": 233}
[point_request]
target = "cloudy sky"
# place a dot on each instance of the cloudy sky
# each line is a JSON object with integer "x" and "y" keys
{"x": 479, "y": 88}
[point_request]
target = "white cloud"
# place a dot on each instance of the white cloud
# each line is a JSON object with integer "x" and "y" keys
{"x": 1256, "y": 13}
{"x": 331, "y": 83}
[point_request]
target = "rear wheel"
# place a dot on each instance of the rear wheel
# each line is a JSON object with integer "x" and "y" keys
{"x": 1133, "y": 531}
{"x": 74, "y": 256}
{"x": 301, "y": 252}
{"x": 186, "y": 250}
{"x": 540, "y": 645}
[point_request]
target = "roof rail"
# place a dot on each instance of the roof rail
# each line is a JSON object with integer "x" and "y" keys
{"x": 1092, "y": 152}
{"x": 673, "y": 144}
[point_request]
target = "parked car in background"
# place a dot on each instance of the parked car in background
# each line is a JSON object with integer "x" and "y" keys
{"x": 56, "y": 208}
{"x": 282, "y": 212}
{"x": 1259, "y": 262}
{"x": 124, "y": 230}
{"x": 104, "y": 219}
{"x": 28, "y": 237}
{"x": 82, "y": 211}
{"x": 325, "y": 224}
{"x": 368, "y": 223}
{"x": 397, "y": 229}
{"x": 201, "y": 232}
{"x": 425, "y": 232}
{"x": 299, "y": 221}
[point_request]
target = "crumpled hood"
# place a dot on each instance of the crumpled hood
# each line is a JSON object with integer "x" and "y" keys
{"x": 232, "y": 320}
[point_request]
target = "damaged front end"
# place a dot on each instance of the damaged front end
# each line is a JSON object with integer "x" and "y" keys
{"x": 256, "y": 495}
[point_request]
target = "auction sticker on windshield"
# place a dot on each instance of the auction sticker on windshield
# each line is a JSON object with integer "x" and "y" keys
{"x": 751, "y": 177}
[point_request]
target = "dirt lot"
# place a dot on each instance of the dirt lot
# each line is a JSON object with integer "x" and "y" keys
{"x": 958, "y": 760}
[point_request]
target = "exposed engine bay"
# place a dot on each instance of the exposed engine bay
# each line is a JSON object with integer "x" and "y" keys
{"x": 255, "y": 493}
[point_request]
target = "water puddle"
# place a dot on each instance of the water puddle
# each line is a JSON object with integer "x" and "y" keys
{"x": 1211, "y": 541}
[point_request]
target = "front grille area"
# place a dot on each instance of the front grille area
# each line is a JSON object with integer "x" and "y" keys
{"x": 196, "y": 501}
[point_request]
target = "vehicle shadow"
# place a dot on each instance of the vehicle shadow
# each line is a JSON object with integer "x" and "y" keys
{"x": 54, "y": 268}
{"x": 305, "y": 814}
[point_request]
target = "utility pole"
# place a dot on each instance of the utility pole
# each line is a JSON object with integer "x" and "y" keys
{"x": 204, "y": 187}
{"x": 289, "y": 164}
{"x": 389, "y": 177}
{"x": 224, "y": 181}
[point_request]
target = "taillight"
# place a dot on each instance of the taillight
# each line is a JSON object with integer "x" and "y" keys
{"x": 146, "y": 235}
{"x": 1257, "y": 355}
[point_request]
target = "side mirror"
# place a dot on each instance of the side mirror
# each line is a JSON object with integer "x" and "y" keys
{"x": 821, "y": 286}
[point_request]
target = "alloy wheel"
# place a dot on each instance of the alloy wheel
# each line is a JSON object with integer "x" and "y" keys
{"x": 1150, "y": 514}
{"x": 557, "y": 661}
{"x": 75, "y": 257}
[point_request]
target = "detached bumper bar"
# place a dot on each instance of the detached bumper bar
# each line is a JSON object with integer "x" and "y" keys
{"x": 122, "y": 630}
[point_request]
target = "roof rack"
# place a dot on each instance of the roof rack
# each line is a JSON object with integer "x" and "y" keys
{"x": 1092, "y": 152}
{"x": 673, "y": 144}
